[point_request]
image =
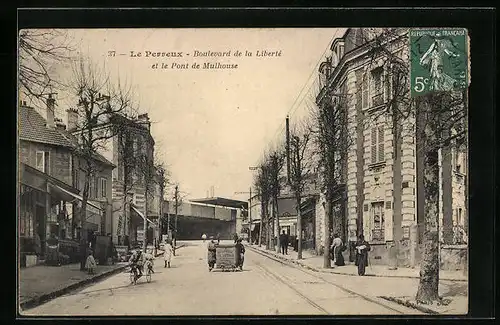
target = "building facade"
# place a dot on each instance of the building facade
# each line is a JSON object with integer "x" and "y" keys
{"x": 134, "y": 180}
{"x": 51, "y": 185}
{"x": 384, "y": 200}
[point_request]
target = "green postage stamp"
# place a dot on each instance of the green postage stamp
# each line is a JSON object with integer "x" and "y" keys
{"x": 439, "y": 60}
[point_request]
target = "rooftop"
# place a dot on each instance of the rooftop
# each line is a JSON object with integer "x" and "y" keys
{"x": 33, "y": 127}
{"x": 220, "y": 201}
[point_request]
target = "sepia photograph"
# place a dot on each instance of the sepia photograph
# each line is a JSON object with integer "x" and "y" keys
{"x": 243, "y": 171}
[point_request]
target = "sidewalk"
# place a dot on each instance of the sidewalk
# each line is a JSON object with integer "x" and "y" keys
{"x": 397, "y": 285}
{"x": 315, "y": 263}
{"x": 40, "y": 283}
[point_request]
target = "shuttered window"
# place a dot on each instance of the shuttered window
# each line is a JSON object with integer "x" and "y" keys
{"x": 374, "y": 145}
{"x": 364, "y": 91}
{"x": 381, "y": 143}
{"x": 377, "y": 144}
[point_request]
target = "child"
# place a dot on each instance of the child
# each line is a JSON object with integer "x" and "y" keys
{"x": 90, "y": 265}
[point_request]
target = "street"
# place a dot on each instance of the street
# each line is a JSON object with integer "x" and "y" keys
{"x": 265, "y": 287}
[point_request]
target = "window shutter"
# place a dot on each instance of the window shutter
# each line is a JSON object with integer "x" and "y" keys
{"x": 40, "y": 161}
{"x": 381, "y": 144}
{"x": 47, "y": 162}
{"x": 364, "y": 94}
{"x": 387, "y": 80}
{"x": 374, "y": 145}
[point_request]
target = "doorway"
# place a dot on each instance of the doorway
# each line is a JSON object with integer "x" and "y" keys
{"x": 40, "y": 226}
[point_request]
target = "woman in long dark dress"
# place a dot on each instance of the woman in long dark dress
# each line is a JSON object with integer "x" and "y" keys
{"x": 362, "y": 249}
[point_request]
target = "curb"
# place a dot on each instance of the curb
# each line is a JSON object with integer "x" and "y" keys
{"x": 36, "y": 301}
{"x": 377, "y": 300}
{"x": 408, "y": 304}
{"x": 332, "y": 270}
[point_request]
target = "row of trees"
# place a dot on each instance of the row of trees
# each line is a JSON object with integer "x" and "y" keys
{"x": 106, "y": 110}
{"x": 439, "y": 121}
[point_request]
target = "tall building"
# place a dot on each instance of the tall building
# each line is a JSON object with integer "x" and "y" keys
{"x": 384, "y": 181}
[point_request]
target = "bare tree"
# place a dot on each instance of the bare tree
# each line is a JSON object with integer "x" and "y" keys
{"x": 263, "y": 190}
{"x": 301, "y": 167}
{"x": 95, "y": 124}
{"x": 40, "y": 51}
{"x": 276, "y": 162}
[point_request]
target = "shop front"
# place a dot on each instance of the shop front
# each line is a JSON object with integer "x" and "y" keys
{"x": 44, "y": 212}
{"x": 308, "y": 214}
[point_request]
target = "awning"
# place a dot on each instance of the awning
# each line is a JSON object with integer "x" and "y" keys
{"x": 78, "y": 197}
{"x": 220, "y": 201}
{"x": 142, "y": 216}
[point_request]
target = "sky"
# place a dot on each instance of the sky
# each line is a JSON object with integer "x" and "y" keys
{"x": 210, "y": 126}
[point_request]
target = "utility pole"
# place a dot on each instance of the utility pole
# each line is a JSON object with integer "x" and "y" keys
{"x": 176, "y": 207}
{"x": 250, "y": 218}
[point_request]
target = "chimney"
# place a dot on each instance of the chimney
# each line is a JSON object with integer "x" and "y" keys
{"x": 143, "y": 120}
{"x": 50, "y": 111}
{"x": 72, "y": 119}
{"x": 59, "y": 124}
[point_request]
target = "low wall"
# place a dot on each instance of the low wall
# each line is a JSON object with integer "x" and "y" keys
{"x": 453, "y": 257}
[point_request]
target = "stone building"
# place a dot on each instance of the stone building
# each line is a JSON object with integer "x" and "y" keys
{"x": 383, "y": 199}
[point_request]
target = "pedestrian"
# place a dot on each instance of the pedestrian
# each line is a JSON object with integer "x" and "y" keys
{"x": 362, "y": 248}
{"x": 167, "y": 253}
{"x": 218, "y": 238}
{"x": 38, "y": 245}
{"x": 284, "y": 243}
{"x": 53, "y": 250}
{"x": 90, "y": 264}
{"x": 240, "y": 254}
{"x": 204, "y": 237}
{"x": 149, "y": 260}
{"x": 235, "y": 238}
{"x": 211, "y": 253}
{"x": 337, "y": 248}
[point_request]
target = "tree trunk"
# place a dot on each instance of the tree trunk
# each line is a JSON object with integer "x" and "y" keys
{"x": 145, "y": 238}
{"x": 268, "y": 227}
{"x": 429, "y": 269}
{"x": 261, "y": 223}
{"x": 83, "y": 219}
{"x": 277, "y": 224}
{"x": 299, "y": 229}
{"x": 326, "y": 240}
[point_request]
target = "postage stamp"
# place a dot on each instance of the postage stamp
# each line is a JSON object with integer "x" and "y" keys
{"x": 439, "y": 60}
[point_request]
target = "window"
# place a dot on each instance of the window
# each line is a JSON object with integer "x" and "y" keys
{"x": 364, "y": 91}
{"x": 43, "y": 161}
{"x": 377, "y": 144}
{"x": 104, "y": 186}
{"x": 378, "y": 222}
{"x": 378, "y": 89}
{"x": 96, "y": 187}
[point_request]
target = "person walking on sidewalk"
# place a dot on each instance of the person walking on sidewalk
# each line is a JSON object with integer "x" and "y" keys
{"x": 204, "y": 237}
{"x": 362, "y": 248}
{"x": 167, "y": 253}
{"x": 337, "y": 249}
{"x": 90, "y": 264}
{"x": 211, "y": 253}
{"x": 284, "y": 243}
